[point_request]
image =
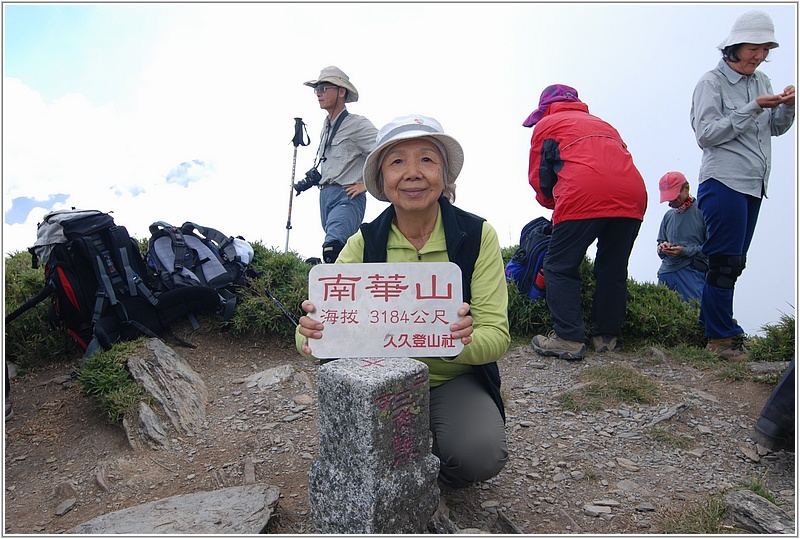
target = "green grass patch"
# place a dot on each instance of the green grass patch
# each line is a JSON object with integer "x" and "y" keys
{"x": 734, "y": 371}
{"x": 668, "y": 438}
{"x": 757, "y": 485}
{"x": 607, "y": 385}
{"x": 705, "y": 518}
{"x": 695, "y": 357}
{"x": 104, "y": 376}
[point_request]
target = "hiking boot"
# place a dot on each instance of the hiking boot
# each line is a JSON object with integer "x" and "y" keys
{"x": 604, "y": 343}
{"x": 728, "y": 349}
{"x": 553, "y": 345}
{"x": 772, "y": 436}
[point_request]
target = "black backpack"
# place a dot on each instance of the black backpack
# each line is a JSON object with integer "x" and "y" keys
{"x": 97, "y": 280}
{"x": 526, "y": 267}
{"x": 195, "y": 256}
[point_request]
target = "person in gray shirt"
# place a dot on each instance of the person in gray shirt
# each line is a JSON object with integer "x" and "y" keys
{"x": 680, "y": 238}
{"x": 734, "y": 114}
{"x": 345, "y": 142}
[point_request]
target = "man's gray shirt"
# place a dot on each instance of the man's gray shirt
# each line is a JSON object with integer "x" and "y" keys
{"x": 345, "y": 157}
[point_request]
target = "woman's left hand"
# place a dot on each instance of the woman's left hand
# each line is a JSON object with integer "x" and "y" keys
{"x": 788, "y": 96}
{"x": 463, "y": 328}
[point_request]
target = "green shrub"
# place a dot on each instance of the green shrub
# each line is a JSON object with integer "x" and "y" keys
{"x": 654, "y": 313}
{"x": 285, "y": 276}
{"x": 777, "y": 345}
{"x": 657, "y": 315}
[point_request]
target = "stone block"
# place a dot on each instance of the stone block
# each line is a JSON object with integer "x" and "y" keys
{"x": 375, "y": 472}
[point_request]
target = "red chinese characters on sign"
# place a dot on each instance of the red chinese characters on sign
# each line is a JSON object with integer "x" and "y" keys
{"x": 394, "y": 309}
{"x": 434, "y": 294}
{"x": 339, "y": 287}
{"x": 403, "y": 409}
{"x": 386, "y": 288}
{"x": 405, "y": 340}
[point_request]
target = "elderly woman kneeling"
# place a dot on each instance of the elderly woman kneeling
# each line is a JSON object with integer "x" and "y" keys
{"x": 414, "y": 167}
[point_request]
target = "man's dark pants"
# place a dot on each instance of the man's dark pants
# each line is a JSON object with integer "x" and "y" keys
{"x": 777, "y": 417}
{"x": 568, "y": 245}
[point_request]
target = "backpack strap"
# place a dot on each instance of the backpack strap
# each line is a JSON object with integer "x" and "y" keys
{"x": 178, "y": 242}
{"x": 225, "y": 243}
{"x": 136, "y": 285}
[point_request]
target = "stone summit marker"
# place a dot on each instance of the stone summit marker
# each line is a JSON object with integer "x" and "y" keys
{"x": 375, "y": 472}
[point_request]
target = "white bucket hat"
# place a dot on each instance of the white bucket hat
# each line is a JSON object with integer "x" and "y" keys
{"x": 405, "y": 128}
{"x": 751, "y": 27}
{"x": 336, "y": 76}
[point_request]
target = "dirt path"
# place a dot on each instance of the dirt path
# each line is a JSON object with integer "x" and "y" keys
{"x": 65, "y": 464}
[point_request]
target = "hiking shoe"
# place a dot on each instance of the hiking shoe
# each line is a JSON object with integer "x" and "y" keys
{"x": 729, "y": 348}
{"x": 604, "y": 343}
{"x": 772, "y": 436}
{"x": 553, "y": 345}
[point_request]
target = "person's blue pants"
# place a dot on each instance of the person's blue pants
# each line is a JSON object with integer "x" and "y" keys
{"x": 340, "y": 215}
{"x": 567, "y": 249}
{"x": 688, "y": 282}
{"x": 731, "y": 221}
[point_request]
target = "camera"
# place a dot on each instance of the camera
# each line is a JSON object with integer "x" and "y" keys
{"x": 312, "y": 178}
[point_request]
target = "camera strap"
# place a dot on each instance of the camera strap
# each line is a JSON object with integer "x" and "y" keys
{"x": 330, "y": 136}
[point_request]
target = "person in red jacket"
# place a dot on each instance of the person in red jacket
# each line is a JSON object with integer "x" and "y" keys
{"x": 581, "y": 169}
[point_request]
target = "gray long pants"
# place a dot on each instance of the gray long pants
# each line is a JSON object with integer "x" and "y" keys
{"x": 468, "y": 432}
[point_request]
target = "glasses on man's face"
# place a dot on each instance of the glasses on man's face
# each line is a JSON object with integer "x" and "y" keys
{"x": 322, "y": 89}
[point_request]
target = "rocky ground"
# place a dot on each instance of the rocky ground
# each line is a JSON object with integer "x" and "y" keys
{"x": 594, "y": 472}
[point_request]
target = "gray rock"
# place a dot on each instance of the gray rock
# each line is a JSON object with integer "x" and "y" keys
{"x": 65, "y": 506}
{"x": 749, "y": 511}
{"x": 233, "y": 510}
{"x": 270, "y": 377}
{"x": 596, "y": 510}
{"x": 145, "y": 429}
{"x": 179, "y": 395}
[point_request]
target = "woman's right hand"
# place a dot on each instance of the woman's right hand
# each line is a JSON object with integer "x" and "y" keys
{"x": 772, "y": 101}
{"x": 309, "y": 328}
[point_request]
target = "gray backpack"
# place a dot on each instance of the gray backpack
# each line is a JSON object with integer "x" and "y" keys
{"x": 198, "y": 256}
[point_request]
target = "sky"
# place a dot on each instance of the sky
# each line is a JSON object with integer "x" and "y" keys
{"x": 186, "y": 111}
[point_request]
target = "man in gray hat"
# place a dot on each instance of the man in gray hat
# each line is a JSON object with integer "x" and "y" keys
{"x": 345, "y": 142}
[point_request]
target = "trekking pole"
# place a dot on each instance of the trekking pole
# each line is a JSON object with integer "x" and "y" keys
{"x": 298, "y": 140}
{"x": 31, "y": 302}
{"x": 292, "y": 319}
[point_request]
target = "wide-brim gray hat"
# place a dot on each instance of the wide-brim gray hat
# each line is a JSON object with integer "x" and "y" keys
{"x": 405, "y": 128}
{"x": 751, "y": 27}
{"x": 336, "y": 76}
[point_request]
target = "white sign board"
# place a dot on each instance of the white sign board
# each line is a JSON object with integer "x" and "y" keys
{"x": 399, "y": 309}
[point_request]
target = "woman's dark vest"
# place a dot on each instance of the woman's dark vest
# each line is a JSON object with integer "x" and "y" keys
{"x": 462, "y": 232}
